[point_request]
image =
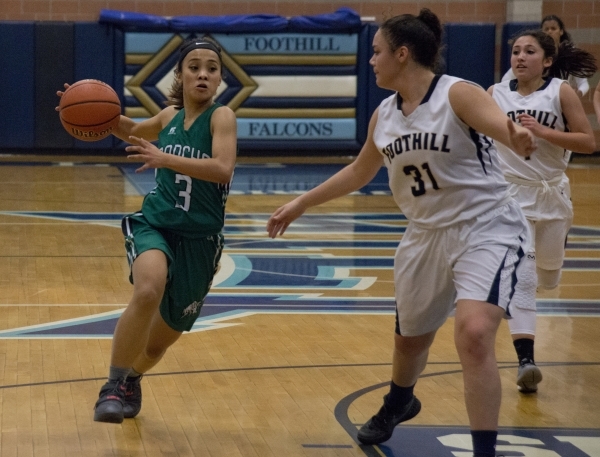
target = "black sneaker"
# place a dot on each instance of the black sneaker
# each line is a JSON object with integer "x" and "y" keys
{"x": 133, "y": 397}
{"x": 109, "y": 407}
{"x": 381, "y": 426}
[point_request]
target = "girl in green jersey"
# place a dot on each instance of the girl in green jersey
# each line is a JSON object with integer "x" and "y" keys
{"x": 174, "y": 242}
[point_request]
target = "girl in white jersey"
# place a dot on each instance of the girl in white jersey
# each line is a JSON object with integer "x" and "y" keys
{"x": 551, "y": 109}
{"x": 465, "y": 236}
{"x": 574, "y": 64}
{"x": 174, "y": 242}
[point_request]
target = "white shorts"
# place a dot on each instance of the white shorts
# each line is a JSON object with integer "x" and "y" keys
{"x": 478, "y": 259}
{"x": 550, "y": 213}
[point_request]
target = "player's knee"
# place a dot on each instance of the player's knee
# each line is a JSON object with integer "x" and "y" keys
{"x": 473, "y": 349}
{"x": 548, "y": 279}
{"x": 474, "y": 340}
{"x": 147, "y": 296}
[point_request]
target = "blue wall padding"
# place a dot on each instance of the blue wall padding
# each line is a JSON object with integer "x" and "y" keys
{"x": 17, "y": 94}
{"x": 54, "y": 52}
{"x": 119, "y": 62}
{"x": 343, "y": 20}
{"x": 240, "y": 23}
{"x": 95, "y": 59}
{"x": 508, "y": 31}
{"x": 133, "y": 20}
{"x": 469, "y": 52}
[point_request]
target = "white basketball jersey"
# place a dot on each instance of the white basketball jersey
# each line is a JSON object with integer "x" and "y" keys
{"x": 548, "y": 161}
{"x": 440, "y": 170}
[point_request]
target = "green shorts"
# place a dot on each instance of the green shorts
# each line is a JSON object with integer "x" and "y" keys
{"x": 192, "y": 264}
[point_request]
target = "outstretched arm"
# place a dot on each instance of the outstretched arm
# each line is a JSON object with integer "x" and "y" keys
{"x": 476, "y": 108}
{"x": 147, "y": 129}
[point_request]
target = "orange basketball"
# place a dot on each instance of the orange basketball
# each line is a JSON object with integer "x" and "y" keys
{"x": 89, "y": 110}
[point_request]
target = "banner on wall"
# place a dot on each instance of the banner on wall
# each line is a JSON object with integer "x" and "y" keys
{"x": 296, "y": 84}
{"x": 281, "y": 86}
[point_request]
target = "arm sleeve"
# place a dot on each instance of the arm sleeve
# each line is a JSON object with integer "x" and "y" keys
{"x": 580, "y": 84}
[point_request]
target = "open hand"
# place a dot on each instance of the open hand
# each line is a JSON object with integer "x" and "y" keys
{"x": 283, "y": 217}
{"x": 144, "y": 151}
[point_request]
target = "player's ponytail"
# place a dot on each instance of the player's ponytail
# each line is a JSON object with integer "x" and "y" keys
{"x": 572, "y": 61}
{"x": 433, "y": 22}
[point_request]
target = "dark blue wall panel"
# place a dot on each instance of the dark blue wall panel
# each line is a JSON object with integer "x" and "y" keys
{"x": 95, "y": 59}
{"x": 508, "y": 31}
{"x": 17, "y": 95}
{"x": 53, "y": 53}
{"x": 470, "y": 51}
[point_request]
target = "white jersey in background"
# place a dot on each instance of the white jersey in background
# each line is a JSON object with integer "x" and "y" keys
{"x": 441, "y": 171}
{"x": 549, "y": 161}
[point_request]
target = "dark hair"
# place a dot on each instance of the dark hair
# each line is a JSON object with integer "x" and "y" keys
{"x": 571, "y": 60}
{"x": 566, "y": 60}
{"x": 421, "y": 34}
{"x": 176, "y": 92}
{"x": 545, "y": 41}
{"x": 551, "y": 17}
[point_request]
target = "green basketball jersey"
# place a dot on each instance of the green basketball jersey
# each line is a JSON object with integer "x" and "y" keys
{"x": 189, "y": 206}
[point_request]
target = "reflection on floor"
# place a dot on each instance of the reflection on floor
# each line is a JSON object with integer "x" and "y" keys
{"x": 270, "y": 178}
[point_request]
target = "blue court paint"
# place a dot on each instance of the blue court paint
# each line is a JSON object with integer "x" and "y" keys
{"x": 448, "y": 441}
{"x": 431, "y": 441}
{"x": 219, "y": 308}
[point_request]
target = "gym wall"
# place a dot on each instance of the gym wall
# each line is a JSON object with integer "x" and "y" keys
{"x": 297, "y": 85}
{"x": 327, "y": 105}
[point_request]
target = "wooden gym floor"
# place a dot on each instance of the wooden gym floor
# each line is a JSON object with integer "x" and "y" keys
{"x": 292, "y": 351}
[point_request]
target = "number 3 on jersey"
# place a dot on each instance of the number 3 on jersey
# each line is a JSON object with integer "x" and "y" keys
{"x": 185, "y": 194}
{"x": 419, "y": 188}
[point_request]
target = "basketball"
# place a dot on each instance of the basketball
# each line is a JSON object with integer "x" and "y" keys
{"x": 89, "y": 110}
